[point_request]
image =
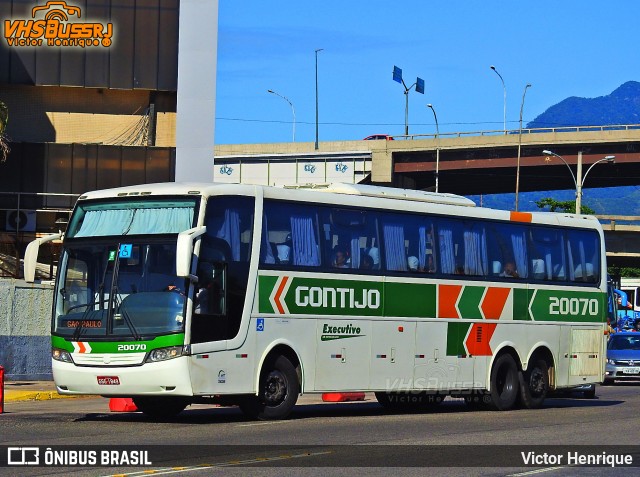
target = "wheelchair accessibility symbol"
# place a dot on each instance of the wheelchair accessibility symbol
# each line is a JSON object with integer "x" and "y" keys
{"x": 260, "y": 324}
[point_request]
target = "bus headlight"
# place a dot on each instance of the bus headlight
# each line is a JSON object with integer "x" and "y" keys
{"x": 162, "y": 354}
{"x": 61, "y": 355}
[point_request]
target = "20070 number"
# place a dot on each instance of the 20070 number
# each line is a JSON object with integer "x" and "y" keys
{"x": 132, "y": 347}
{"x": 573, "y": 306}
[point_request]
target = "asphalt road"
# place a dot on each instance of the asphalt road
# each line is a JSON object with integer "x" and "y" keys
{"x": 326, "y": 438}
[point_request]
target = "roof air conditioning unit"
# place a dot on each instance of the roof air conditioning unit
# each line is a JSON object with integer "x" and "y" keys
{"x": 21, "y": 220}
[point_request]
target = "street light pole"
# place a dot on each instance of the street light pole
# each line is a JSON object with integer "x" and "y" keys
{"x": 504, "y": 90}
{"x": 520, "y": 144}
{"x": 437, "y": 146}
{"x": 579, "y": 180}
{"x": 319, "y": 49}
{"x": 293, "y": 111}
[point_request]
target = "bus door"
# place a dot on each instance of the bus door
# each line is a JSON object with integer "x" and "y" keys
{"x": 220, "y": 292}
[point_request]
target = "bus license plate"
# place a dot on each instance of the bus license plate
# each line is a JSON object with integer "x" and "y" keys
{"x": 108, "y": 380}
{"x": 635, "y": 370}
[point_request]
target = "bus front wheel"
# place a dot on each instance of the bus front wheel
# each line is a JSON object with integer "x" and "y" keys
{"x": 504, "y": 383}
{"x": 277, "y": 393}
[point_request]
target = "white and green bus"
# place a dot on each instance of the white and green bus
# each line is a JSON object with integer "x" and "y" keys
{"x": 174, "y": 294}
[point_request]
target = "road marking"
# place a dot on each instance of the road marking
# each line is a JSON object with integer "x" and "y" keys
{"x": 257, "y": 460}
{"x": 533, "y": 472}
{"x": 269, "y": 423}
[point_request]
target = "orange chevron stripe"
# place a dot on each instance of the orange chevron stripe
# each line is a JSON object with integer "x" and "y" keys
{"x": 276, "y": 298}
{"x": 494, "y": 301}
{"x": 81, "y": 347}
{"x": 479, "y": 337}
{"x": 447, "y": 299}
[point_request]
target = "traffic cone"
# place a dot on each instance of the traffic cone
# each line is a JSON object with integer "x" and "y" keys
{"x": 342, "y": 397}
{"x": 122, "y": 405}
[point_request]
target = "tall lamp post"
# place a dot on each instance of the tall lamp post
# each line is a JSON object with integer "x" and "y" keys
{"x": 293, "y": 111}
{"x": 318, "y": 50}
{"x": 579, "y": 180}
{"x": 419, "y": 84}
{"x": 504, "y": 90}
{"x": 430, "y": 106}
{"x": 520, "y": 144}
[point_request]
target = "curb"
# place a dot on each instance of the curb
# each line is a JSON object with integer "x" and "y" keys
{"x": 17, "y": 396}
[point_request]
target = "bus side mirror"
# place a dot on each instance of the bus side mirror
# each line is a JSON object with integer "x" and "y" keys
{"x": 31, "y": 256}
{"x": 184, "y": 251}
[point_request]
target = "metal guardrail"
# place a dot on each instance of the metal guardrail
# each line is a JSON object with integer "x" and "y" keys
{"x": 502, "y": 132}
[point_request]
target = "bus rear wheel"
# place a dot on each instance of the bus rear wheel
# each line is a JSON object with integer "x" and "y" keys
{"x": 504, "y": 383}
{"x": 534, "y": 384}
{"x": 277, "y": 393}
{"x": 160, "y": 407}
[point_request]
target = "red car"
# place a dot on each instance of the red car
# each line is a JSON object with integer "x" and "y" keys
{"x": 378, "y": 136}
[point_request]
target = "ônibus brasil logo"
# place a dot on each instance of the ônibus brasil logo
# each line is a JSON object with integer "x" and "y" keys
{"x": 56, "y": 29}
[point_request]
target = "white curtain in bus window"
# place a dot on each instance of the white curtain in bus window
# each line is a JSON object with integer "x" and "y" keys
{"x": 584, "y": 256}
{"x": 518, "y": 240}
{"x": 475, "y": 253}
{"x": 447, "y": 255}
{"x": 266, "y": 253}
{"x": 548, "y": 245}
{"x": 229, "y": 231}
{"x": 394, "y": 249}
{"x": 305, "y": 245}
{"x": 355, "y": 249}
{"x": 102, "y": 222}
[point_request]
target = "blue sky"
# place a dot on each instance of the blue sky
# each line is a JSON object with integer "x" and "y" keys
{"x": 563, "y": 48}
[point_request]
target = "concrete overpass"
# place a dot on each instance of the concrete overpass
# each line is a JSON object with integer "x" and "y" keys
{"x": 470, "y": 164}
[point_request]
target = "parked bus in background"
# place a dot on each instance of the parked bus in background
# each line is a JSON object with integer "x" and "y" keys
{"x": 246, "y": 295}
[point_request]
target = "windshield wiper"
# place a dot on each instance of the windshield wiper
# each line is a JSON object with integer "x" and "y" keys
{"x": 127, "y": 318}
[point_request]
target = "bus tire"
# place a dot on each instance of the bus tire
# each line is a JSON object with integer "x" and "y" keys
{"x": 534, "y": 384}
{"x": 277, "y": 393}
{"x": 160, "y": 407}
{"x": 504, "y": 383}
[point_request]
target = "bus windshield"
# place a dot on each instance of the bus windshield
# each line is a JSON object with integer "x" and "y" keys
{"x": 118, "y": 289}
{"x": 131, "y": 217}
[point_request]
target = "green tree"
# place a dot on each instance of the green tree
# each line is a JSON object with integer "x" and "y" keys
{"x": 569, "y": 206}
{"x": 4, "y": 142}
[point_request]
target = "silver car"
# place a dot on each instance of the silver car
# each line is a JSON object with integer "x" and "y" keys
{"x": 623, "y": 357}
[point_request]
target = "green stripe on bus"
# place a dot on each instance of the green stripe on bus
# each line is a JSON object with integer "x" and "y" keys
{"x": 469, "y": 304}
{"x": 266, "y": 285}
{"x": 410, "y": 300}
{"x": 570, "y": 306}
{"x": 112, "y": 346}
{"x": 456, "y": 333}
{"x": 521, "y": 304}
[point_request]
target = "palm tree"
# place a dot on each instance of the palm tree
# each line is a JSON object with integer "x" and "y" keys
{"x": 4, "y": 142}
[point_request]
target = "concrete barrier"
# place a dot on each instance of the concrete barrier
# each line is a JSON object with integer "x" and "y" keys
{"x": 25, "y": 324}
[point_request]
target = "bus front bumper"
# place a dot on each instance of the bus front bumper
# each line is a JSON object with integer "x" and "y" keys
{"x": 170, "y": 377}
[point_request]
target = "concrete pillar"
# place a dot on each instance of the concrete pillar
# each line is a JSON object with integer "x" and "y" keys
{"x": 196, "y": 104}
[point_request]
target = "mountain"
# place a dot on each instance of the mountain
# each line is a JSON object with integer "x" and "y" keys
{"x": 622, "y": 106}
